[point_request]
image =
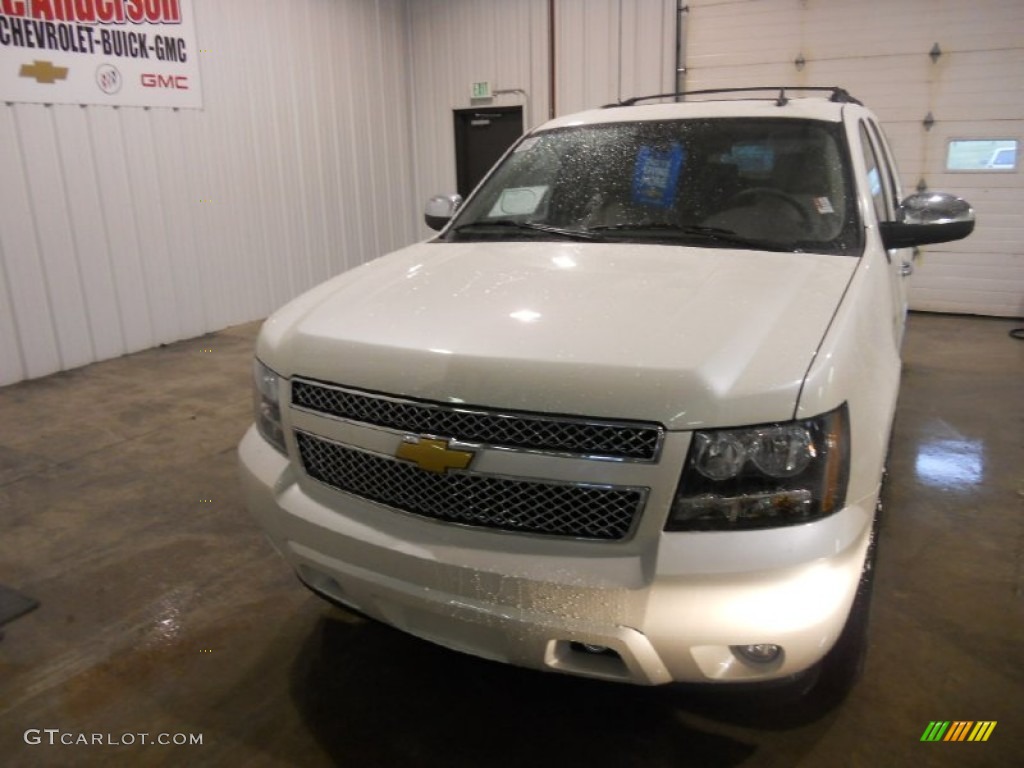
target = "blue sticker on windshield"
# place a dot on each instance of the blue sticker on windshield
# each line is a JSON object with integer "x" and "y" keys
{"x": 656, "y": 175}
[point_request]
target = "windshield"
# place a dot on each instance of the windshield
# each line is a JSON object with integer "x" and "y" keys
{"x": 768, "y": 184}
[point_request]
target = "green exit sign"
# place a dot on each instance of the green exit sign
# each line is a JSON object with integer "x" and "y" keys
{"x": 481, "y": 90}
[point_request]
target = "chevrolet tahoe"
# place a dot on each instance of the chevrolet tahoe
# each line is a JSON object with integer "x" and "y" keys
{"x": 626, "y": 416}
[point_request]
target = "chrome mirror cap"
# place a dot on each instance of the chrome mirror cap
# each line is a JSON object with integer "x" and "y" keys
{"x": 935, "y": 208}
{"x": 440, "y": 209}
{"x": 928, "y": 217}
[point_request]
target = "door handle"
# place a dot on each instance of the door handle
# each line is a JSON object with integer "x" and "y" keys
{"x": 906, "y": 269}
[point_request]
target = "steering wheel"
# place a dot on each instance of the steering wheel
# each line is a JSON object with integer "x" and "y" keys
{"x": 752, "y": 193}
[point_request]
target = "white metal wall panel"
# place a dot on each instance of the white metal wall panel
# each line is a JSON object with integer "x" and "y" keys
{"x": 53, "y": 235}
{"x": 648, "y": 40}
{"x": 612, "y": 49}
{"x": 9, "y": 342}
{"x": 879, "y": 50}
{"x": 89, "y": 232}
{"x": 179, "y": 204}
{"x": 30, "y": 306}
{"x": 125, "y": 228}
{"x": 587, "y": 51}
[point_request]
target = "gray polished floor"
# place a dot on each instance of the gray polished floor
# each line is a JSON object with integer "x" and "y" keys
{"x": 164, "y": 611}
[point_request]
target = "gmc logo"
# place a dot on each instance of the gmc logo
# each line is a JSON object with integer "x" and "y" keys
{"x": 176, "y": 82}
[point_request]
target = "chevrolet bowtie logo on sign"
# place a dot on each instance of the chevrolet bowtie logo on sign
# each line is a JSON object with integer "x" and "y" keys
{"x": 958, "y": 730}
{"x": 433, "y": 455}
{"x": 43, "y": 72}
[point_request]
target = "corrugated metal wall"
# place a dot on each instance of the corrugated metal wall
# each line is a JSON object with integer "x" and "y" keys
{"x": 612, "y": 49}
{"x": 604, "y": 48}
{"x": 121, "y": 229}
{"x": 879, "y": 50}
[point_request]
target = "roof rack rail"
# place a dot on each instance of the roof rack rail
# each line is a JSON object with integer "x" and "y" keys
{"x": 837, "y": 94}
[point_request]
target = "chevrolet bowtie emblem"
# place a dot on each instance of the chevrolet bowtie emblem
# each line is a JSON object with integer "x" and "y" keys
{"x": 43, "y": 72}
{"x": 433, "y": 455}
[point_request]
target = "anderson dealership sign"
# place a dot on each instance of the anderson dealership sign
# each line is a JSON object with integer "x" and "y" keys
{"x": 139, "y": 53}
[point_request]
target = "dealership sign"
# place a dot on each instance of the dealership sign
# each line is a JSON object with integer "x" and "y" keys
{"x": 134, "y": 53}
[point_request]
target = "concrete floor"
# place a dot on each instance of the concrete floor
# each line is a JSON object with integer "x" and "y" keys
{"x": 163, "y": 610}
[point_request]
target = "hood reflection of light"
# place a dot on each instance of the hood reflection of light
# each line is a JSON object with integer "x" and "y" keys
{"x": 526, "y": 316}
{"x": 950, "y": 463}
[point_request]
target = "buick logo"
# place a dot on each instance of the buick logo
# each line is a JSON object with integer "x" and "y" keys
{"x": 108, "y": 78}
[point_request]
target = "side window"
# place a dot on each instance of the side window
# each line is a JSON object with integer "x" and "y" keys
{"x": 879, "y": 180}
{"x": 885, "y": 155}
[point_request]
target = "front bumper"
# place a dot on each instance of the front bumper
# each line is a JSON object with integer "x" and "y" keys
{"x": 665, "y": 610}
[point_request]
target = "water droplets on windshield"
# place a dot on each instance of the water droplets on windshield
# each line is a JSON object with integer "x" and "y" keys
{"x": 765, "y": 183}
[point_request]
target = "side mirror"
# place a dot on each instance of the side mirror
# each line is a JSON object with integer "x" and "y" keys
{"x": 440, "y": 209}
{"x": 928, "y": 217}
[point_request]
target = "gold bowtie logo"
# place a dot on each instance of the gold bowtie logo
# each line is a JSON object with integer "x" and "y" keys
{"x": 433, "y": 455}
{"x": 43, "y": 72}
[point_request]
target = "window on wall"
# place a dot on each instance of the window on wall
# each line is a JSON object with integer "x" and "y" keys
{"x": 982, "y": 155}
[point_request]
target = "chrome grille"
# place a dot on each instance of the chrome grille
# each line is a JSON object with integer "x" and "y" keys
{"x": 527, "y": 506}
{"x": 524, "y": 431}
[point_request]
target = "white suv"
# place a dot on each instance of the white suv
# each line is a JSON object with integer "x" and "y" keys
{"x": 627, "y": 415}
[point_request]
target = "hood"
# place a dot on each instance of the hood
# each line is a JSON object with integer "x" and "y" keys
{"x": 686, "y": 337}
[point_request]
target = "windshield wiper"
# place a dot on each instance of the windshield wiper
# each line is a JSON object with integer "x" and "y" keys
{"x": 571, "y": 234}
{"x": 714, "y": 234}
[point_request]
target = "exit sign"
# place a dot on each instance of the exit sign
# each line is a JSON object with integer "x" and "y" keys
{"x": 481, "y": 90}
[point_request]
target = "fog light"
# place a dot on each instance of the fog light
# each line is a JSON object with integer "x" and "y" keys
{"x": 759, "y": 653}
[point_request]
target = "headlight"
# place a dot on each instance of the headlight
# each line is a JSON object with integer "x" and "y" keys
{"x": 267, "y": 405}
{"x": 764, "y": 477}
